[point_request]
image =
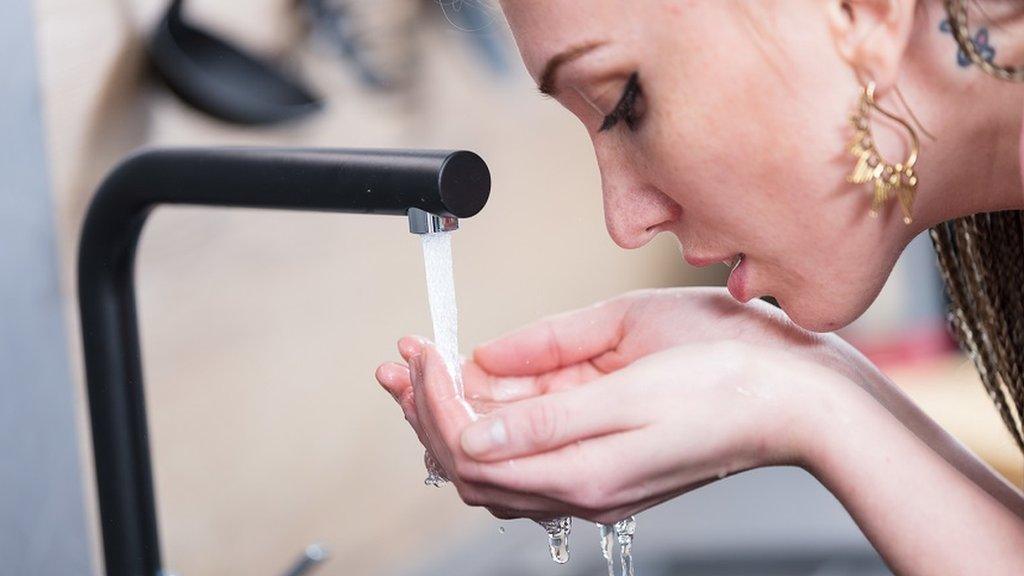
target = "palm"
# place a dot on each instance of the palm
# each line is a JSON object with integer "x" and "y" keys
{"x": 486, "y": 391}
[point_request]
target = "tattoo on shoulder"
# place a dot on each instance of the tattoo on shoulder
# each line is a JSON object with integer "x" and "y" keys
{"x": 980, "y": 43}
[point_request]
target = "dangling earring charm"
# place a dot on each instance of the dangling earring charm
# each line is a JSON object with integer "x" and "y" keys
{"x": 888, "y": 180}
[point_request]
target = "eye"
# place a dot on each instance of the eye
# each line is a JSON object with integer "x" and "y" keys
{"x": 630, "y": 107}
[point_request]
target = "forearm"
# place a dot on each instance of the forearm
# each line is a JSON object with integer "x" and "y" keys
{"x": 921, "y": 513}
{"x": 869, "y": 378}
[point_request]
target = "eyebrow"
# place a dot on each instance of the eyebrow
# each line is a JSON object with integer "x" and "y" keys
{"x": 547, "y": 79}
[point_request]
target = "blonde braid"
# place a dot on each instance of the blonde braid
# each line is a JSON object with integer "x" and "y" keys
{"x": 975, "y": 319}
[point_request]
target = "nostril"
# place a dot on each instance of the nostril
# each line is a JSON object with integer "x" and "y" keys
{"x": 629, "y": 233}
{"x": 635, "y": 215}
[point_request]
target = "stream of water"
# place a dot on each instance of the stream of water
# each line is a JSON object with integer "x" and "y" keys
{"x": 444, "y": 314}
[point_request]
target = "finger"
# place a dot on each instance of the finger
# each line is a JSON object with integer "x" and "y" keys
{"x": 446, "y": 409}
{"x": 597, "y": 474}
{"x": 549, "y": 422}
{"x": 481, "y": 386}
{"x": 609, "y": 517}
{"x": 439, "y": 409}
{"x": 475, "y": 381}
{"x": 610, "y": 473}
{"x": 516, "y": 388}
{"x": 409, "y": 346}
{"x": 394, "y": 378}
{"x": 520, "y": 504}
{"x": 614, "y": 514}
{"x": 570, "y": 376}
{"x": 556, "y": 342}
{"x": 429, "y": 434}
{"x": 509, "y": 514}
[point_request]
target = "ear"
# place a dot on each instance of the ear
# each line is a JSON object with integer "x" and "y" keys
{"x": 872, "y": 36}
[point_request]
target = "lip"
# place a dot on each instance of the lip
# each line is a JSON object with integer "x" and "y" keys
{"x": 702, "y": 261}
{"x": 738, "y": 281}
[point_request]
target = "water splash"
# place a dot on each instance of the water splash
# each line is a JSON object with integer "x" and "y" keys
{"x": 558, "y": 537}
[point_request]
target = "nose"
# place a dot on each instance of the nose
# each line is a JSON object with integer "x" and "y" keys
{"x": 634, "y": 209}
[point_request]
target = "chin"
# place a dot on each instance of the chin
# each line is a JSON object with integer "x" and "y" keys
{"x": 823, "y": 312}
{"x": 827, "y": 296}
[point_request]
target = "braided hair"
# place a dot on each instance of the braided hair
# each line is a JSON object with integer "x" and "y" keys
{"x": 981, "y": 258}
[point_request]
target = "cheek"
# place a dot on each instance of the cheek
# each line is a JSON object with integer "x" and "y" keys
{"x": 734, "y": 154}
{"x": 763, "y": 176}
{"x": 751, "y": 142}
{"x": 736, "y": 168}
{"x": 748, "y": 121}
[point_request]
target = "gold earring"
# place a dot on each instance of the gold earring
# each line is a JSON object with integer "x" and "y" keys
{"x": 888, "y": 180}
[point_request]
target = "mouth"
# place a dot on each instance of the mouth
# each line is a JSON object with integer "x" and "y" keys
{"x": 738, "y": 284}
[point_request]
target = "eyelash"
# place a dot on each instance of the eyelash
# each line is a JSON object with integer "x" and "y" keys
{"x": 625, "y": 110}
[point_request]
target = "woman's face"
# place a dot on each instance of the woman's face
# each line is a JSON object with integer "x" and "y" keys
{"x": 726, "y": 124}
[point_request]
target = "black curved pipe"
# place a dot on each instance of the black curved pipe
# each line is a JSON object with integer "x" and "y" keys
{"x": 362, "y": 181}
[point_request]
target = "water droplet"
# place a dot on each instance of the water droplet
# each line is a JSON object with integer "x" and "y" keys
{"x": 501, "y": 529}
{"x": 435, "y": 474}
{"x": 558, "y": 537}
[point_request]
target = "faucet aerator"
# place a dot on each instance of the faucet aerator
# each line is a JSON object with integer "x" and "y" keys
{"x": 423, "y": 222}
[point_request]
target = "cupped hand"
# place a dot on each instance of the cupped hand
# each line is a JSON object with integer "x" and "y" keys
{"x": 427, "y": 396}
{"x": 681, "y": 387}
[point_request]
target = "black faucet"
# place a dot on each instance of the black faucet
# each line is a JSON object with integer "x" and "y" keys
{"x": 432, "y": 188}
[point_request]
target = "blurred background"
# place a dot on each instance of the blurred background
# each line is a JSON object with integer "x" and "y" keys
{"x": 261, "y": 330}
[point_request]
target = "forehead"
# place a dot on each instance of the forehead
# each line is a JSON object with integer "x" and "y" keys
{"x": 545, "y": 28}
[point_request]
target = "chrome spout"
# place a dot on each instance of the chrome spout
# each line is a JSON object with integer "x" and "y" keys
{"x": 423, "y": 222}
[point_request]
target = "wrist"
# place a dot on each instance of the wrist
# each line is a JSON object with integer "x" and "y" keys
{"x": 798, "y": 402}
{"x": 840, "y": 419}
{"x": 825, "y": 408}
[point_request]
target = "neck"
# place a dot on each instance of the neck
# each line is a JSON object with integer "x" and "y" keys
{"x": 974, "y": 164}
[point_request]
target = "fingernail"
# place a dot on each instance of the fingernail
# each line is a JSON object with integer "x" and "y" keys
{"x": 483, "y": 437}
{"x": 385, "y": 383}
